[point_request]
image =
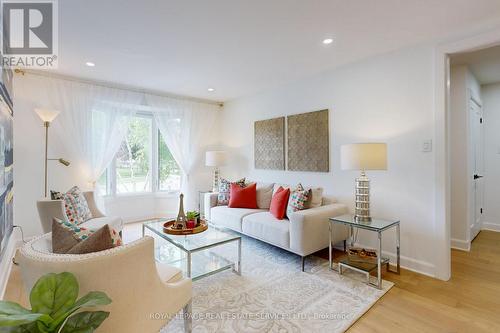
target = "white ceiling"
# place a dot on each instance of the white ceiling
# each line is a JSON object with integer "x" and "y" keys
{"x": 484, "y": 64}
{"x": 241, "y": 47}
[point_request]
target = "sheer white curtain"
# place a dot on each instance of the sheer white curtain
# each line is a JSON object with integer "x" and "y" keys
{"x": 183, "y": 125}
{"x": 93, "y": 122}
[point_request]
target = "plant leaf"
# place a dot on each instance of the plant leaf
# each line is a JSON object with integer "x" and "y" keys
{"x": 28, "y": 328}
{"x": 54, "y": 294}
{"x": 13, "y": 314}
{"x": 93, "y": 298}
{"x": 21, "y": 319}
{"x": 8, "y": 308}
{"x": 84, "y": 322}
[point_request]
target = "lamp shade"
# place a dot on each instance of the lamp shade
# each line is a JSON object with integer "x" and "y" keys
{"x": 47, "y": 115}
{"x": 215, "y": 158}
{"x": 363, "y": 156}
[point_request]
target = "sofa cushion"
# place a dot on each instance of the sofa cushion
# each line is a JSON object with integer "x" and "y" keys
{"x": 75, "y": 205}
{"x": 316, "y": 197}
{"x": 279, "y": 203}
{"x": 115, "y": 223}
{"x": 266, "y": 227}
{"x": 224, "y": 190}
{"x": 71, "y": 239}
{"x": 243, "y": 197}
{"x": 264, "y": 195}
{"x": 298, "y": 199}
{"x": 230, "y": 217}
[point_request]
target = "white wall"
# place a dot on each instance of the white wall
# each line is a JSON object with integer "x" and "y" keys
{"x": 389, "y": 98}
{"x": 491, "y": 109}
{"x": 463, "y": 86}
{"x": 28, "y": 174}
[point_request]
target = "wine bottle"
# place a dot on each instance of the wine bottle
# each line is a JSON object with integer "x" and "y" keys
{"x": 180, "y": 222}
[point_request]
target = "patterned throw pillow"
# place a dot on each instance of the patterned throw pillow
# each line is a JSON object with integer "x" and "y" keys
{"x": 72, "y": 239}
{"x": 75, "y": 205}
{"x": 224, "y": 190}
{"x": 298, "y": 199}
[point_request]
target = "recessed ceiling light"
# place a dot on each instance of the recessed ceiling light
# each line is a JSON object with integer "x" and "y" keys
{"x": 211, "y": 89}
{"x": 90, "y": 64}
{"x": 327, "y": 41}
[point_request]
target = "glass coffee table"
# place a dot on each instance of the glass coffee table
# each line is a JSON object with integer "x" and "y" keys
{"x": 200, "y": 254}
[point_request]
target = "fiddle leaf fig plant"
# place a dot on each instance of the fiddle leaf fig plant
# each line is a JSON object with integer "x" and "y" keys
{"x": 54, "y": 307}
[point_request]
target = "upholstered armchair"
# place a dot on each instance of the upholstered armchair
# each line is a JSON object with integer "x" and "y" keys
{"x": 145, "y": 294}
{"x": 49, "y": 209}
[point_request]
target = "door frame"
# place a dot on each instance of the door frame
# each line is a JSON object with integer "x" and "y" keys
{"x": 442, "y": 174}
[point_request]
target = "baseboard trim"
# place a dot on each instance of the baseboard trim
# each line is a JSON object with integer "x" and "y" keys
{"x": 491, "y": 226}
{"x": 411, "y": 264}
{"x": 459, "y": 244}
{"x": 6, "y": 263}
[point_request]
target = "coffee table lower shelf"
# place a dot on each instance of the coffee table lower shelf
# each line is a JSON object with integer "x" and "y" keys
{"x": 202, "y": 264}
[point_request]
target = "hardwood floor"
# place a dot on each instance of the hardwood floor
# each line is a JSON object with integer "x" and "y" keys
{"x": 470, "y": 301}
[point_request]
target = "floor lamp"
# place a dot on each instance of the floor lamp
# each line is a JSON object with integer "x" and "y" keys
{"x": 47, "y": 117}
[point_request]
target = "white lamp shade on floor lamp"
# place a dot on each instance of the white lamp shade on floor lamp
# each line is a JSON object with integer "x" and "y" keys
{"x": 47, "y": 115}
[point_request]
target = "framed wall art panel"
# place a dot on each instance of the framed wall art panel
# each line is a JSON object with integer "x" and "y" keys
{"x": 309, "y": 142}
{"x": 269, "y": 144}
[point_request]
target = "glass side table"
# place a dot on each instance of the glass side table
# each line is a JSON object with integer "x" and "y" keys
{"x": 376, "y": 225}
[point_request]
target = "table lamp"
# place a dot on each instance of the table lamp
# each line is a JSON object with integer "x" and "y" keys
{"x": 47, "y": 117}
{"x": 363, "y": 156}
{"x": 216, "y": 159}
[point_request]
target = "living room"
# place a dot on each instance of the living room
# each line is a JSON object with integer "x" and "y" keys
{"x": 242, "y": 158}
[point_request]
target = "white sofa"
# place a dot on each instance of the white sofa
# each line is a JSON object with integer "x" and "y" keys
{"x": 303, "y": 233}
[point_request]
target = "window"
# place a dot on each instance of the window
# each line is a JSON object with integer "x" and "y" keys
{"x": 169, "y": 173}
{"x": 133, "y": 160}
{"x": 143, "y": 164}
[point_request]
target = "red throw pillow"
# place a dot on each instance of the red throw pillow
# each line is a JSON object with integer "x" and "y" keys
{"x": 243, "y": 197}
{"x": 279, "y": 203}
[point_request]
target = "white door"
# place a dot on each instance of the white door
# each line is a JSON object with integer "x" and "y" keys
{"x": 477, "y": 143}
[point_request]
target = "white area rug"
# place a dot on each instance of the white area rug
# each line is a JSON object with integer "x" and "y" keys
{"x": 274, "y": 295}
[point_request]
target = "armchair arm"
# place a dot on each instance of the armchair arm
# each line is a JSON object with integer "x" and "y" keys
{"x": 209, "y": 203}
{"x": 94, "y": 210}
{"x": 309, "y": 228}
{"x": 49, "y": 209}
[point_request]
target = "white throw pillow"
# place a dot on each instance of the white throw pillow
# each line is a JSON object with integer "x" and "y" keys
{"x": 316, "y": 198}
{"x": 264, "y": 195}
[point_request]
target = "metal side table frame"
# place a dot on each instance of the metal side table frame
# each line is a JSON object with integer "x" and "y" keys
{"x": 376, "y": 225}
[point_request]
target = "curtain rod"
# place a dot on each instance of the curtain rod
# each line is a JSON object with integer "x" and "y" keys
{"x": 116, "y": 86}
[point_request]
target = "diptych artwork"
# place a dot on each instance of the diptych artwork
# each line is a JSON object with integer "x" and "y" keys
{"x": 308, "y": 142}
